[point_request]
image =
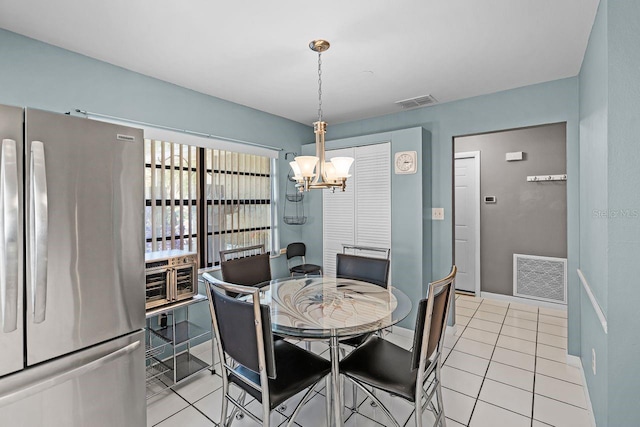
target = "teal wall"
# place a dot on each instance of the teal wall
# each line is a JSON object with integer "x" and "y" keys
{"x": 610, "y": 210}
{"x": 42, "y": 76}
{"x": 544, "y": 103}
{"x": 624, "y": 194}
{"x": 622, "y": 36}
{"x": 593, "y": 200}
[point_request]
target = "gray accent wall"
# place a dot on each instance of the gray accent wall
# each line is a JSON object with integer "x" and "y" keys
{"x": 528, "y": 218}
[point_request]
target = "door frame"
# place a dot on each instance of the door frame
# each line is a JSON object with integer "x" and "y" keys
{"x": 476, "y": 156}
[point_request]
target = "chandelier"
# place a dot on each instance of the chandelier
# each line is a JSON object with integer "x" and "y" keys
{"x": 313, "y": 172}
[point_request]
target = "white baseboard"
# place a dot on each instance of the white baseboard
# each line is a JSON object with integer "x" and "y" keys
{"x": 520, "y": 300}
{"x": 403, "y": 332}
{"x": 577, "y": 362}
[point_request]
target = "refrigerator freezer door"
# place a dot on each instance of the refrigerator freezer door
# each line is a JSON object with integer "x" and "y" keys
{"x": 92, "y": 206}
{"x": 103, "y": 386}
{"x": 11, "y": 240}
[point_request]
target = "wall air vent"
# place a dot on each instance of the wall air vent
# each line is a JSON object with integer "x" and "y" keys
{"x": 418, "y": 101}
{"x": 541, "y": 278}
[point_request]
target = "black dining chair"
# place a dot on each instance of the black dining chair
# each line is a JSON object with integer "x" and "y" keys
{"x": 367, "y": 269}
{"x": 382, "y": 365}
{"x": 297, "y": 251}
{"x": 271, "y": 371}
{"x": 245, "y": 270}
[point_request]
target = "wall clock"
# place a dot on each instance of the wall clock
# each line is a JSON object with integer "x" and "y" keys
{"x": 405, "y": 162}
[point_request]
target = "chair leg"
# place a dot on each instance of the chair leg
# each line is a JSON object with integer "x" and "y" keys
{"x": 439, "y": 394}
{"x": 307, "y": 396}
{"x": 354, "y": 396}
{"x": 378, "y": 403}
{"x": 418, "y": 412}
{"x": 225, "y": 403}
{"x": 266, "y": 413}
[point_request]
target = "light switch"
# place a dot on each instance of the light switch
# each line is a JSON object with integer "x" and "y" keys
{"x": 437, "y": 214}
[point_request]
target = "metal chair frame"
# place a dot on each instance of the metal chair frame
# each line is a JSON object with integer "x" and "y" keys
{"x": 237, "y": 251}
{"x": 229, "y": 365}
{"x": 355, "y": 248}
{"x": 425, "y": 370}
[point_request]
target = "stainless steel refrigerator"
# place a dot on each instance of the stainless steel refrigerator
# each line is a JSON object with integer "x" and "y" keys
{"x": 71, "y": 271}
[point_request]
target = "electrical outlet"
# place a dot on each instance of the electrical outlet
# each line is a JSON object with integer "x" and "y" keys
{"x": 283, "y": 251}
{"x": 593, "y": 360}
{"x": 437, "y": 214}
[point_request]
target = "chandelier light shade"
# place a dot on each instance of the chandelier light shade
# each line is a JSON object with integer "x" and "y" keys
{"x": 313, "y": 172}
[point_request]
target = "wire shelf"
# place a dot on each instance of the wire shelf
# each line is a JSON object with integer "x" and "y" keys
{"x": 295, "y": 220}
{"x": 295, "y": 197}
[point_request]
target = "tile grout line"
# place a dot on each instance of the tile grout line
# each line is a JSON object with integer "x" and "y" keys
{"x": 535, "y": 369}
{"x": 487, "y": 371}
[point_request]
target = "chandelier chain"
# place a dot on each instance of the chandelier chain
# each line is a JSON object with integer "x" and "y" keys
{"x": 319, "y": 87}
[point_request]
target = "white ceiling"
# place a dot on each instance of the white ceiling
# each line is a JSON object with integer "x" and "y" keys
{"x": 256, "y": 53}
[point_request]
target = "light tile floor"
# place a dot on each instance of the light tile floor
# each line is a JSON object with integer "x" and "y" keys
{"x": 505, "y": 365}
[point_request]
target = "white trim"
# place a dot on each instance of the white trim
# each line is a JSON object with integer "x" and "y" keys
{"x": 594, "y": 302}
{"x": 451, "y": 329}
{"x": 577, "y": 362}
{"x": 543, "y": 258}
{"x": 574, "y": 361}
{"x": 403, "y": 332}
{"x": 476, "y": 156}
{"x": 527, "y": 301}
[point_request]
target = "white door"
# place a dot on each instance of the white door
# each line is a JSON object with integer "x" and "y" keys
{"x": 467, "y": 221}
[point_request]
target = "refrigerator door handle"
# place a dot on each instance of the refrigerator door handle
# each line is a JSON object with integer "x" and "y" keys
{"x": 42, "y": 385}
{"x": 9, "y": 235}
{"x": 39, "y": 223}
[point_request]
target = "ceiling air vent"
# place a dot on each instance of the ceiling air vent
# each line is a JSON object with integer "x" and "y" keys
{"x": 418, "y": 101}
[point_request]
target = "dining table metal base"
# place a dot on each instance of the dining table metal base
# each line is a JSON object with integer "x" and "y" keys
{"x": 336, "y": 392}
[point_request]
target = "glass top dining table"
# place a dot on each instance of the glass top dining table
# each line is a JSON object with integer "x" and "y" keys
{"x": 314, "y": 308}
{"x": 322, "y": 307}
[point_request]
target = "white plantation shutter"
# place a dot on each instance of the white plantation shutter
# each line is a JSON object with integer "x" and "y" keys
{"x": 373, "y": 197}
{"x": 362, "y": 214}
{"x": 338, "y": 219}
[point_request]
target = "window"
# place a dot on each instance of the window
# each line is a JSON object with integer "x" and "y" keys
{"x": 170, "y": 196}
{"x": 238, "y": 201}
{"x": 234, "y": 210}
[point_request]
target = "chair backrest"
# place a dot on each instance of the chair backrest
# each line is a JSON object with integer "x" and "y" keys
{"x": 296, "y": 249}
{"x": 248, "y": 271}
{"x": 243, "y": 329}
{"x": 432, "y": 319}
{"x": 372, "y": 270}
